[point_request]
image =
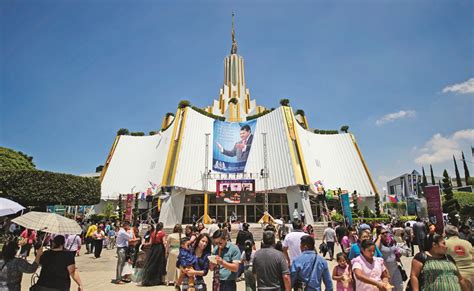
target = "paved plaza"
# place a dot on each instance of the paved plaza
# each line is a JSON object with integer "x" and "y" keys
{"x": 96, "y": 274}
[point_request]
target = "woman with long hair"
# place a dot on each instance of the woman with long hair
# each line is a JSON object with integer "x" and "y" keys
{"x": 172, "y": 251}
{"x": 201, "y": 250}
{"x": 155, "y": 264}
{"x": 28, "y": 238}
{"x": 370, "y": 272}
{"x": 356, "y": 247}
{"x": 391, "y": 256}
{"x": 433, "y": 269}
{"x": 12, "y": 268}
{"x": 57, "y": 269}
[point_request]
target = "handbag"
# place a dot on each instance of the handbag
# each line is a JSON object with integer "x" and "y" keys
{"x": 302, "y": 286}
{"x": 402, "y": 272}
{"x": 23, "y": 241}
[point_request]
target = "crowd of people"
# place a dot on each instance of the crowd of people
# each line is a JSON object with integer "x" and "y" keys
{"x": 368, "y": 258}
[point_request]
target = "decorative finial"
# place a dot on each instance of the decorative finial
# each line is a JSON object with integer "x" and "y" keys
{"x": 234, "y": 43}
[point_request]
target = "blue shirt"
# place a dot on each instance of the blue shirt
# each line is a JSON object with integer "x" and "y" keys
{"x": 355, "y": 251}
{"x": 186, "y": 258}
{"x": 301, "y": 271}
{"x": 230, "y": 253}
{"x": 202, "y": 265}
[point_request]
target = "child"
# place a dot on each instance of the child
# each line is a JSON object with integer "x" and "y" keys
{"x": 342, "y": 273}
{"x": 247, "y": 258}
{"x": 186, "y": 262}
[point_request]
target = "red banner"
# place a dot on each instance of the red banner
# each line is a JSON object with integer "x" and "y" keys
{"x": 128, "y": 207}
{"x": 435, "y": 211}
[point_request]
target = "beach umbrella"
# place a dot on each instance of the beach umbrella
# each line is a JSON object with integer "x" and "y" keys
{"x": 48, "y": 222}
{"x": 8, "y": 207}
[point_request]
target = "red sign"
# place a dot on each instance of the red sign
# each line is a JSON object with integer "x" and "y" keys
{"x": 128, "y": 207}
{"x": 235, "y": 191}
{"x": 435, "y": 211}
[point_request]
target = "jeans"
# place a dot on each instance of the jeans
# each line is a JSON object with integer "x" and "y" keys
{"x": 331, "y": 249}
{"x": 121, "y": 259}
{"x": 250, "y": 283}
{"x": 228, "y": 285}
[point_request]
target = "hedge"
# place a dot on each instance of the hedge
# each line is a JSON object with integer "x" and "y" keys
{"x": 204, "y": 112}
{"x": 378, "y": 219}
{"x": 255, "y": 116}
{"x": 13, "y": 160}
{"x": 40, "y": 188}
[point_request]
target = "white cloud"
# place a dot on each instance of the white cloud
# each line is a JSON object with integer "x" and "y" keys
{"x": 461, "y": 88}
{"x": 441, "y": 149}
{"x": 391, "y": 117}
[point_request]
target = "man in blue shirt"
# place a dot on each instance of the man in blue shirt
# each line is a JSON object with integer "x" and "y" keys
{"x": 228, "y": 260}
{"x": 309, "y": 268}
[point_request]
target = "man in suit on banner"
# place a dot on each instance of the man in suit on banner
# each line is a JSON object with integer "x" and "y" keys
{"x": 242, "y": 148}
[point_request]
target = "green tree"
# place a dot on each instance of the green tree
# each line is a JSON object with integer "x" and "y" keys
{"x": 152, "y": 132}
{"x": 458, "y": 177}
{"x": 433, "y": 182}
{"x": 183, "y": 104}
{"x": 345, "y": 128}
{"x": 425, "y": 182}
{"x": 109, "y": 209}
{"x": 451, "y": 206}
{"x": 284, "y": 102}
{"x": 355, "y": 201}
{"x": 120, "y": 208}
{"x": 123, "y": 131}
{"x": 466, "y": 169}
{"x": 13, "y": 160}
{"x": 366, "y": 211}
{"x": 377, "y": 204}
{"x": 136, "y": 211}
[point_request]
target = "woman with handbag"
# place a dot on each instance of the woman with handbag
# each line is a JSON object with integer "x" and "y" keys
{"x": 433, "y": 269}
{"x": 12, "y": 269}
{"x": 391, "y": 256}
{"x": 57, "y": 269}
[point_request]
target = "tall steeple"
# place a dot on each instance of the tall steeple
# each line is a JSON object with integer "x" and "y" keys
{"x": 233, "y": 50}
{"x": 234, "y": 97}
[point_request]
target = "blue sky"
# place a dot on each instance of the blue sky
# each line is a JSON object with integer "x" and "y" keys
{"x": 74, "y": 72}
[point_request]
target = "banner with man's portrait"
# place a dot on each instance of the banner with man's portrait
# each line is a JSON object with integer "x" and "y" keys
{"x": 231, "y": 146}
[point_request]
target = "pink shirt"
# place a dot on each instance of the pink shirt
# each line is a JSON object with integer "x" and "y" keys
{"x": 340, "y": 285}
{"x": 345, "y": 242}
{"x": 373, "y": 271}
{"x": 31, "y": 238}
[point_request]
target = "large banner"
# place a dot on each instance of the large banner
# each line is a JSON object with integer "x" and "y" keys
{"x": 346, "y": 208}
{"x": 235, "y": 191}
{"x": 435, "y": 211}
{"x": 232, "y": 145}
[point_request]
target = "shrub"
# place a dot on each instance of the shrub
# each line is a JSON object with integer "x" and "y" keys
{"x": 99, "y": 168}
{"x": 345, "y": 128}
{"x": 123, "y": 131}
{"x": 369, "y": 219}
{"x": 40, "y": 188}
{"x": 204, "y": 112}
{"x": 300, "y": 112}
{"x": 152, "y": 132}
{"x": 264, "y": 112}
{"x": 407, "y": 218}
{"x": 337, "y": 217}
{"x": 183, "y": 104}
{"x": 284, "y": 102}
{"x": 138, "y": 133}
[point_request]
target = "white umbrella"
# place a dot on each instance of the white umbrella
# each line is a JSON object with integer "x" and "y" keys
{"x": 48, "y": 222}
{"x": 8, "y": 207}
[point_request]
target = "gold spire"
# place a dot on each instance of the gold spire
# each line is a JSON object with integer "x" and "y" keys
{"x": 234, "y": 43}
